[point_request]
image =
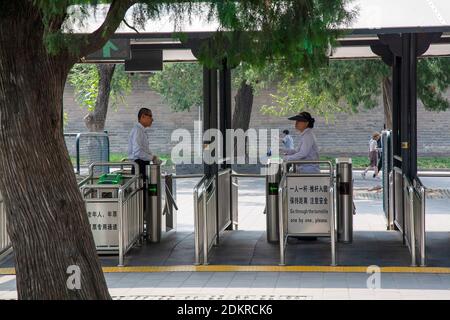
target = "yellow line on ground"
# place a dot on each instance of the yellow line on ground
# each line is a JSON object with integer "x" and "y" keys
{"x": 235, "y": 268}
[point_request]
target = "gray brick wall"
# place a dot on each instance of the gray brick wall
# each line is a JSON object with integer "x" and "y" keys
{"x": 347, "y": 134}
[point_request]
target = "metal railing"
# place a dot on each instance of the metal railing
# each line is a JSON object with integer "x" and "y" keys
{"x": 125, "y": 200}
{"x": 199, "y": 208}
{"x": 105, "y": 153}
{"x": 5, "y": 242}
{"x": 414, "y": 202}
{"x": 285, "y": 225}
{"x": 224, "y": 205}
{"x": 205, "y": 218}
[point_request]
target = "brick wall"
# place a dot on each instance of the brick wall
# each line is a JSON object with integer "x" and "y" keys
{"x": 347, "y": 134}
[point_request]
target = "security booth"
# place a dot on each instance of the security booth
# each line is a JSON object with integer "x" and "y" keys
{"x": 307, "y": 205}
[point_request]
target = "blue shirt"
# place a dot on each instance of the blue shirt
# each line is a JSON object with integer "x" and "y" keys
{"x": 138, "y": 144}
{"x": 306, "y": 150}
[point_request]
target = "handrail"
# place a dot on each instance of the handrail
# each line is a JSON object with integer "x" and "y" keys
{"x": 299, "y": 162}
{"x": 187, "y": 176}
{"x": 434, "y": 174}
{"x": 248, "y": 175}
{"x": 281, "y": 188}
{"x": 113, "y": 164}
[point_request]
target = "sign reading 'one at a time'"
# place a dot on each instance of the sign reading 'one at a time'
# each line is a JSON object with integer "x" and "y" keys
{"x": 308, "y": 205}
{"x": 114, "y": 49}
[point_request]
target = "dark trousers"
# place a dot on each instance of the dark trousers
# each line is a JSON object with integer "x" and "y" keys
{"x": 380, "y": 161}
{"x": 142, "y": 166}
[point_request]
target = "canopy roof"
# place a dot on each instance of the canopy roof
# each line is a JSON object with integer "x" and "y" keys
{"x": 373, "y": 17}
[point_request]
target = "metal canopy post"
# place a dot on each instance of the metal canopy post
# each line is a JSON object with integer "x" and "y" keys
{"x": 225, "y": 108}
{"x": 209, "y": 111}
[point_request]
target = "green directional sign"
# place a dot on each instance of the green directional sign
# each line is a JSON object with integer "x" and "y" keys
{"x": 107, "y": 49}
{"x": 113, "y": 50}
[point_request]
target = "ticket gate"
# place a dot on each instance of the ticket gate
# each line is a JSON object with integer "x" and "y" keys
{"x": 114, "y": 208}
{"x": 307, "y": 204}
{"x": 161, "y": 209}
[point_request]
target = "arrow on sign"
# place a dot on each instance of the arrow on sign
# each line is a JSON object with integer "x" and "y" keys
{"x": 107, "y": 49}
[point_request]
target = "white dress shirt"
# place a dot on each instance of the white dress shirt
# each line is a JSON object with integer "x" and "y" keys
{"x": 306, "y": 150}
{"x": 138, "y": 144}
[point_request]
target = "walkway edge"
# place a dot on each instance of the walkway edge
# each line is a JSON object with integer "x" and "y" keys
{"x": 235, "y": 268}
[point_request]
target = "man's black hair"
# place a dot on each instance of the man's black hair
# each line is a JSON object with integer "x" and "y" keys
{"x": 286, "y": 131}
{"x": 143, "y": 111}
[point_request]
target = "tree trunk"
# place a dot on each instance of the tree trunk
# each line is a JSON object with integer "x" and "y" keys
{"x": 387, "y": 102}
{"x": 95, "y": 120}
{"x": 243, "y": 110}
{"x": 47, "y": 220}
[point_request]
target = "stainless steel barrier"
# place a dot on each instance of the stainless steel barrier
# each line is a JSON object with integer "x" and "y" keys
{"x": 398, "y": 199}
{"x": 310, "y": 209}
{"x": 115, "y": 211}
{"x": 415, "y": 219}
{"x": 199, "y": 212}
{"x": 205, "y": 218}
{"x": 224, "y": 186}
{"x": 387, "y": 162}
{"x": 5, "y": 242}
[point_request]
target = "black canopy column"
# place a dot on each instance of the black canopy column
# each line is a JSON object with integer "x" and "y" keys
{"x": 225, "y": 108}
{"x": 210, "y": 117}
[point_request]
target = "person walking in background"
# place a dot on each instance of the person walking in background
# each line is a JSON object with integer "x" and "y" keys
{"x": 373, "y": 155}
{"x": 288, "y": 142}
{"x": 380, "y": 156}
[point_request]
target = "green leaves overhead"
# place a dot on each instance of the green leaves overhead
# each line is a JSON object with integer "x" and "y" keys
{"x": 299, "y": 32}
{"x": 348, "y": 85}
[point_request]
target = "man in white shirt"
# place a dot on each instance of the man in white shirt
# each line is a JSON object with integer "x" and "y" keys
{"x": 138, "y": 144}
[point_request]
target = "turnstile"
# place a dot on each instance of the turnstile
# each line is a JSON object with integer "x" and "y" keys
{"x": 307, "y": 205}
{"x": 161, "y": 210}
{"x": 344, "y": 200}
{"x": 115, "y": 211}
{"x": 273, "y": 177}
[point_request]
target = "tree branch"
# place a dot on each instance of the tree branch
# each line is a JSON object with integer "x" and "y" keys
{"x": 98, "y": 38}
{"x": 129, "y": 26}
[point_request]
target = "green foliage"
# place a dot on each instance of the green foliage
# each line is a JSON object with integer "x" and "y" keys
{"x": 348, "y": 85}
{"x": 433, "y": 77}
{"x": 85, "y": 78}
{"x": 180, "y": 85}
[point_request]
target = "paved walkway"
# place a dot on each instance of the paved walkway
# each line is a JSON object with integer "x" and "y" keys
{"x": 264, "y": 285}
{"x": 248, "y": 247}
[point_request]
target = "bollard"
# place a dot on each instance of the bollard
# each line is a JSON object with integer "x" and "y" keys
{"x": 153, "y": 211}
{"x": 272, "y": 183}
{"x": 344, "y": 199}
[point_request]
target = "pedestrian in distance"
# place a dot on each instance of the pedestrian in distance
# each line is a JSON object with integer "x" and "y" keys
{"x": 373, "y": 155}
